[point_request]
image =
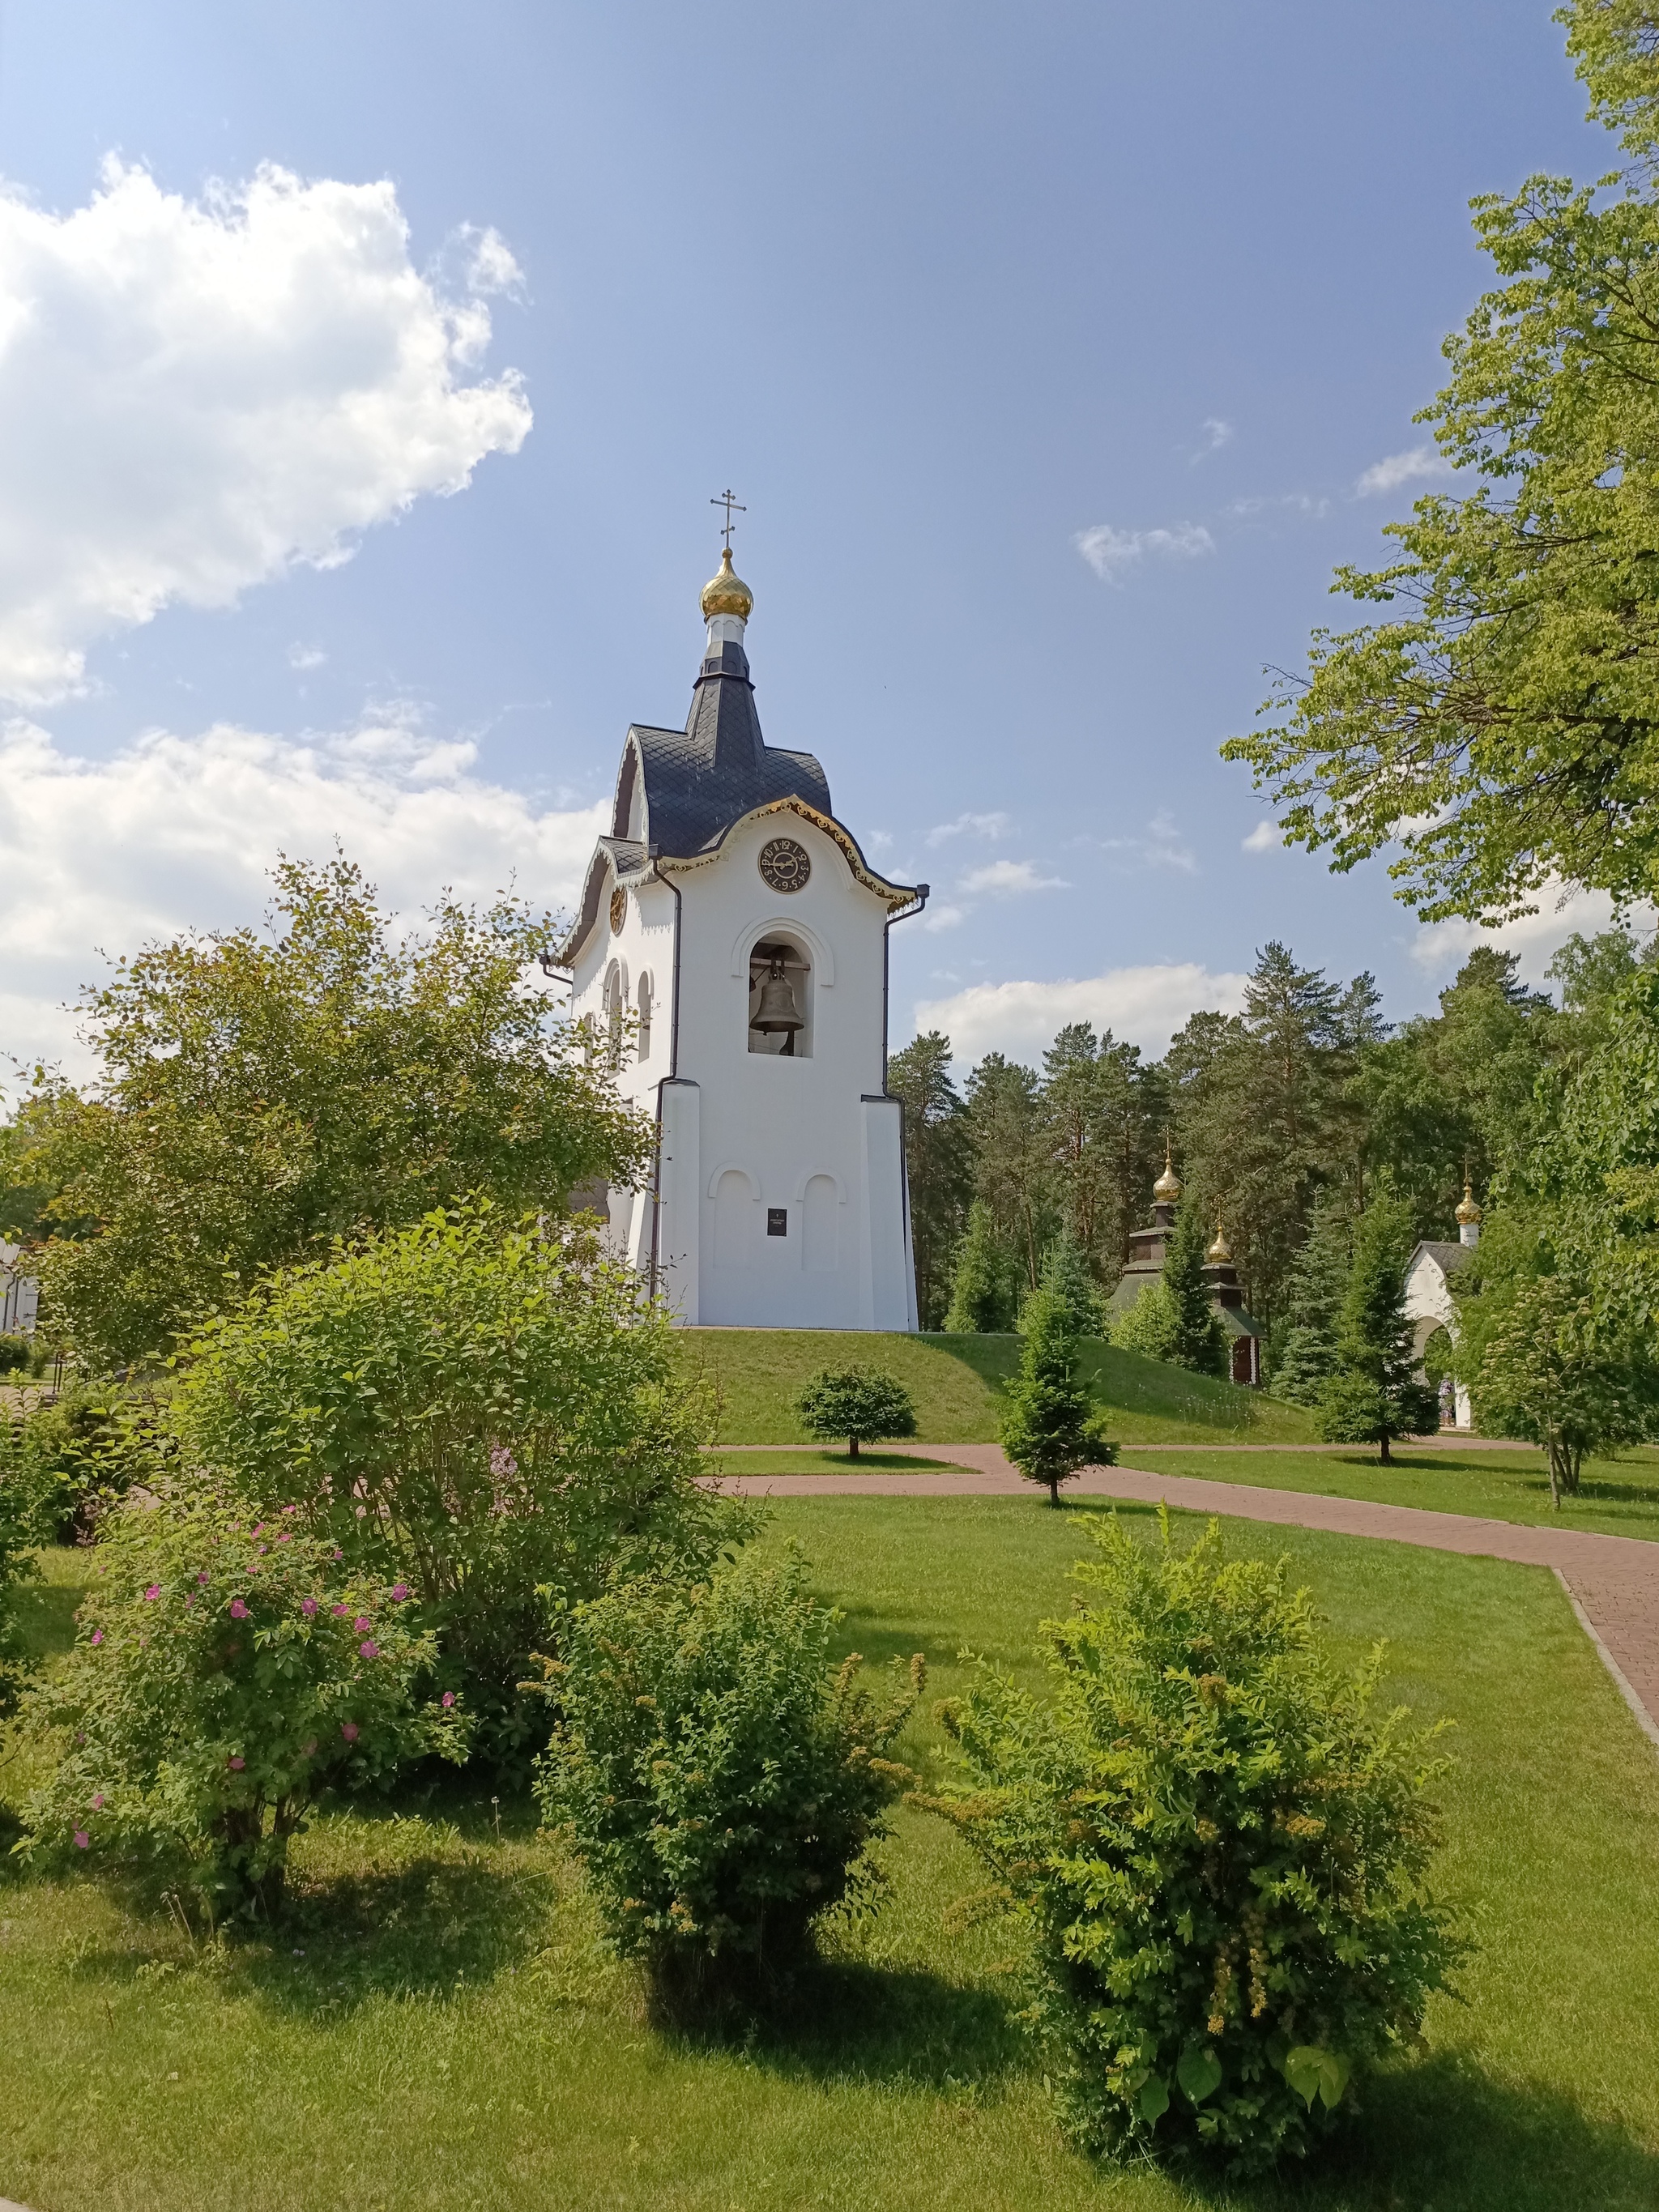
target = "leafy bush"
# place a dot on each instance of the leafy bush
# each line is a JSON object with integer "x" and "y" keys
{"x": 1148, "y": 1324}
{"x": 228, "y": 1671}
{"x": 21, "y": 1526}
{"x": 14, "y": 1354}
{"x": 78, "y": 1452}
{"x": 1048, "y": 1428}
{"x": 719, "y": 1780}
{"x": 1219, "y": 1848}
{"x": 494, "y": 1415}
{"x": 859, "y": 1403}
{"x": 259, "y": 1097}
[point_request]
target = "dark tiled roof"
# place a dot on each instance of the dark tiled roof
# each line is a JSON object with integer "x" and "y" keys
{"x": 698, "y": 781}
{"x": 1450, "y": 1256}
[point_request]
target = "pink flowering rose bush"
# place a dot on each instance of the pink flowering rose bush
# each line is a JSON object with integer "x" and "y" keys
{"x": 221, "y": 1684}
{"x": 494, "y": 1415}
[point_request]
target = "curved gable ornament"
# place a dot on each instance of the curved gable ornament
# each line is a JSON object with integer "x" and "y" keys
{"x": 895, "y": 895}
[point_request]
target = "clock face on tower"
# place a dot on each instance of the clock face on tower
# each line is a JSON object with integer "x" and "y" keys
{"x": 784, "y": 864}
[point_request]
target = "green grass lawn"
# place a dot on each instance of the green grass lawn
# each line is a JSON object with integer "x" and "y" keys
{"x": 808, "y": 1459}
{"x": 440, "y": 2027}
{"x": 956, "y": 1382}
{"x": 1619, "y": 1498}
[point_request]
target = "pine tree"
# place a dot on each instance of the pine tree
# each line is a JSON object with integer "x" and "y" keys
{"x": 1319, "y": 1282}
{"x": 982, "y": 1287}
{"x": 1066, "y": 1276}
{"x": 1049, "y": 1430}
{"x": 1197, "y": 1340}
{"x": 1373, "y": 1393}
{"x": 937, "y": 1163}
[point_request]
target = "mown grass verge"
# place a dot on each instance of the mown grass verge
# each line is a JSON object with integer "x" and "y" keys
{"x": 438, "y": 2027}
{"x": 1618, "y": 1497}
{"x": 957, "y": 1383}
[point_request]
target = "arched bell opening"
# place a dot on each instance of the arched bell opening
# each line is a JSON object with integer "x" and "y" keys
{"x": 780, "y": 999}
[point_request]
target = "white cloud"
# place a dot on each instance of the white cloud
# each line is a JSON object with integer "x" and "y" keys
{"x": 947, "y": 916}
{"x": 1441, "y": 947}
{"x": 197, "y": 394}
{"x": 1421, "y": 463}
{"x": 1010, "y": 880}
{"x": 305, "y": 656}
{"x": 968, "y": 826}
{"x": 1110, "y": 552}
{"x": 1264, "y": 838}
{"x": 1217, "y": 433}
{"x": 176, "y": 833}
{"x": 1144, "y": 1005}
{"x": 1162, "y": 846}
{"x": 1302, "y": 503}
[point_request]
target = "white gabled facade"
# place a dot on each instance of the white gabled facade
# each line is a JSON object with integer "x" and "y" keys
{"x": 779, "y": 1199}
{"x": 1429, "y": 1304}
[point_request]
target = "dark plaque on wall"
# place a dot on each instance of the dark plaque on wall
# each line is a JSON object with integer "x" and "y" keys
{"x": 785, "y": 864}
{"x": 777, "y": 1221}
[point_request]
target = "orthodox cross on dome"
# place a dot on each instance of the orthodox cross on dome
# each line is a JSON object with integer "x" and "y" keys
{"x": 728, "y": 500}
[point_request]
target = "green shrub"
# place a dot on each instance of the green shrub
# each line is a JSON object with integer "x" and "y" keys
{"x": 1220, "y": 1851}
{"x": 496, "y": 1415}
{"x": 718, "y": 1778}
{"x": 1148, "y": 1324}
{"x": 228, "y": 1670}
{"x": 1048, "y": 1428}
{"x": 22, "y": 1522}
{"x": 15, "y": 1353}
{"x": 859, "y": 1403}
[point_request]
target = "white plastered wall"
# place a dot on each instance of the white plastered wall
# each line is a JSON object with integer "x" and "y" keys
{"x": 1429, "y": 1305}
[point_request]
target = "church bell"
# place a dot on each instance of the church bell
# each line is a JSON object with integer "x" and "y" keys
{"x": 777, "y": 1012}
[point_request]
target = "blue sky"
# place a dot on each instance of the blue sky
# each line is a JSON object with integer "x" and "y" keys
{"x": 1050, "y": 348}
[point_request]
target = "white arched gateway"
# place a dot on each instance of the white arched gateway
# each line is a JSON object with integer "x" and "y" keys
{"x": 758, "y": 933}
{"x": 1429, "y": 1303}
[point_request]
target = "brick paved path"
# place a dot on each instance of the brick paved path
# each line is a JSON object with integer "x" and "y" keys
{"x": 1613, "y": 1581}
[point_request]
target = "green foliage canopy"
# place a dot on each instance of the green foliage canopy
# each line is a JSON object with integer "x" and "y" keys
{"x": 1220, "y": 1848}
{"x": 1373, "y": 1394}
{"x": 259, "y": 1098}
{"x": 1504, "y": 728}
{"x": 859, "y": 1403}
{"x": 496, "y": 1416}
{"x": 1049, "y": 1429}
{"x": 718, "y": 1778}
{"x": 230, "y": 1670}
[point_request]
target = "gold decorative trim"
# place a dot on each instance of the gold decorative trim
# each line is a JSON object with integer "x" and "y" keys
{"x": 891, "y": 895}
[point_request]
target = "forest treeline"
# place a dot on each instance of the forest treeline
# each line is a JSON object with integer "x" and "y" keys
{"x": 1305, "y": 1104}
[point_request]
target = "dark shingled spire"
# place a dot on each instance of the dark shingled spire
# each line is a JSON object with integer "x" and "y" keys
{"x": 700, "y": 781}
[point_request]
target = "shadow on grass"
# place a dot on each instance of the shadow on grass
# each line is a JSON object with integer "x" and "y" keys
{"x": 1441, "y": 2133}
{"x": 45, "y": 1619}
{"x": 839, "y": 2020}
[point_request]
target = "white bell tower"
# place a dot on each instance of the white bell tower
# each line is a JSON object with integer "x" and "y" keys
{"x": 732, "y": 923}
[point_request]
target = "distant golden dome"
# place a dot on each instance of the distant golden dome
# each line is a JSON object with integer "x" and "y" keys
{"x": 1221, "y": 1251}
{"x": 1167, "y": 1186}
{"x": 1468, "y": 1211}
{"x": 726, "y": 593}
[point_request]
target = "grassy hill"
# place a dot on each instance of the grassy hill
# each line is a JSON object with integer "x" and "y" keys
{"x": 957, "y": 1381}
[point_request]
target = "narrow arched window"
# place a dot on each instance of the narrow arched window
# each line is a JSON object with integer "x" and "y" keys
{"x": 645, "y": 1017}
{"x": 613, "y": 1015}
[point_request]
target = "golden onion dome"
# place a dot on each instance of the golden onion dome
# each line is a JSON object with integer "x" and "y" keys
{"x": 1468, "y": 1211}
{"x": 1221, "y": 1251}
{"x": 726, "y": 593}
{"x": 1167, "y": 1185}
